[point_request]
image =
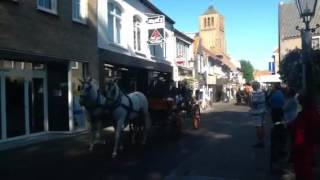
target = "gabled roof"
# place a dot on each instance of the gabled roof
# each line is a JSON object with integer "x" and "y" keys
{"x": 289, "y": 18}
{"x": 210, "y": 10}
{"x": 151, "y": 6}
{"x": 224, "y": 59}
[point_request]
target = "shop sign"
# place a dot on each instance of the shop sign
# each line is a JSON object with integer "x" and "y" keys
{"x": 156, "y": 25}
{"x": 180, "y": 60}
{"x": 156, "y": 36}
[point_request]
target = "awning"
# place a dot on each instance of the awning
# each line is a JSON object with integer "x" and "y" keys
{"x": 17, "y": 55}
{"x": 111, "y": 57}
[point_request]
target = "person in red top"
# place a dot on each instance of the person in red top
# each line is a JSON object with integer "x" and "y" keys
{"x": 305, "y": 129}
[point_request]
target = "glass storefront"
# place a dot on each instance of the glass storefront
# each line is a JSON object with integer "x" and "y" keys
{"x": 78, "y": 72}
{"x": 24, "y": 98}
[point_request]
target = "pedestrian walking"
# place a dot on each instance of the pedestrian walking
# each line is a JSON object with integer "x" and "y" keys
{"x": 258, "y": 109}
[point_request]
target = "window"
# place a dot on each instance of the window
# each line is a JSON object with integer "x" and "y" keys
{"x": 205, "y": 22}
{"x": 221, "y": 24}
{"x": 137, "y": 33}
{"x": 182, "y": 50}
{"x": 114, "y": 23}
{"x": 153, "y": 50}
{"x": 208, "y": 22}
{"x": 80, "y": 11}
{"x": 48, "y": 6}
{"x": 212, "y": 21}
{"x": 315, "y": 43}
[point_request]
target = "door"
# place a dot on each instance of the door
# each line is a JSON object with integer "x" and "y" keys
{"x": 15, "y": 106}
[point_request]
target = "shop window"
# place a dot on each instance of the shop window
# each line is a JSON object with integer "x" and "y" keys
{"x": 49, "y": 6}
{"x": 78, "y": 111}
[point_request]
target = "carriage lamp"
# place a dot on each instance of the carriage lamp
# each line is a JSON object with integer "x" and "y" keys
{"x": 307, "y": 9}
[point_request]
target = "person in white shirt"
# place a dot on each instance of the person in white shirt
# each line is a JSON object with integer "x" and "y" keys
{"x": 258, "y": 109}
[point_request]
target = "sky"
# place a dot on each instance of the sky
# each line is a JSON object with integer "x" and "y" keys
{"x": 251, "y": 26}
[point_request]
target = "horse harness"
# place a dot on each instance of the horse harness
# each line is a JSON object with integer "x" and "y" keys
{"x": 117, "y": 103}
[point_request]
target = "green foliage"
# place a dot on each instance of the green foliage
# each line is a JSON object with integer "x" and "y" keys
{"x": 247, "y": 70}
{"x": 189, "y": 82}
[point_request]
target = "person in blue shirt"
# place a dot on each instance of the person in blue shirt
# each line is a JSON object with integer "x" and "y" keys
{"x": 277, "y": 101}
{"x": 278, "y": 131}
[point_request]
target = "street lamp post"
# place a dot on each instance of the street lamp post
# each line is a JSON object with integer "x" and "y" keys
{"x": 306, "y": 10}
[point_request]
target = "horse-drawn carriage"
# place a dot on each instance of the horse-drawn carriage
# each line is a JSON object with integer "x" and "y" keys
{"x": 164, "y": 114}
{"x": 132, "y": 109}
{"x": 170, "y": 109}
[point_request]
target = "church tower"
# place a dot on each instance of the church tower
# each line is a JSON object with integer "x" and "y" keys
{"x": 212, "y": 31}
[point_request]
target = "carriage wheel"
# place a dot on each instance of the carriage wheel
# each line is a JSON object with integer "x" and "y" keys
{"x": 196, "y": 117}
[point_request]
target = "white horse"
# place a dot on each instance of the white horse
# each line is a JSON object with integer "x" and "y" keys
{"x": 126, "y": 109}
{"x": 93, "y": 101}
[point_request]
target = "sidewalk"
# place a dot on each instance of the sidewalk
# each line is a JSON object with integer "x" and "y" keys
{"x": 288, "y": 174}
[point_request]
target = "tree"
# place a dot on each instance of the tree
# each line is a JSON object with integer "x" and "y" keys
{"x": 247, "y": 70}
{"x": 291, "y": 69}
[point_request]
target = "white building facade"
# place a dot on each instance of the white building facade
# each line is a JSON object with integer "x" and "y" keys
{"x": 124, "y": 32}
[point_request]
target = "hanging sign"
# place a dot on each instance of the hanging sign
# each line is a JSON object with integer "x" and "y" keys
{"x": 156, "y": 25}
{"x": 156, "y": 36}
